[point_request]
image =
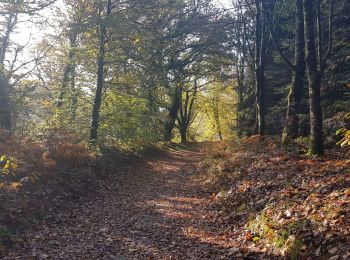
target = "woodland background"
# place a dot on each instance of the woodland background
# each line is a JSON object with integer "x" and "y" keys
{"x": 177, "y": 69}
{"x": 105, "y": 81}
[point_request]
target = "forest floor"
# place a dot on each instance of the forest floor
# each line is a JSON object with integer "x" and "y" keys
{"x": 156, "y": 208}
{"x": 153, "y": 210}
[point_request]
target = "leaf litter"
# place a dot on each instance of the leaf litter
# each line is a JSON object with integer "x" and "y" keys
{"x": 226, "y": 201}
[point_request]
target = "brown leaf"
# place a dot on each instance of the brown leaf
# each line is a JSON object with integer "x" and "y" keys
{"x": 333, "y": 250}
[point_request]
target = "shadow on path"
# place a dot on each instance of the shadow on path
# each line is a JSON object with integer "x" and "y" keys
{"x": 153, "y": 210}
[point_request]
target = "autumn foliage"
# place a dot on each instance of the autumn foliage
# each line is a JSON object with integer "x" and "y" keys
{"x": 282, "y": 202}
{"x": 46, "y": 172}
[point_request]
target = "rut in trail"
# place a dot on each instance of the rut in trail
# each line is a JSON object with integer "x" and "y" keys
{"x": 153, "y": 210}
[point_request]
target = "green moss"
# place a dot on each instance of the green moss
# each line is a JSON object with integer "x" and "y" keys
{"x": 282, "y": 239}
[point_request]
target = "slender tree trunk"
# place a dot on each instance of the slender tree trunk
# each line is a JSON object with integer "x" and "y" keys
{"x": 240, "y": 80}
{"x": 217, "y": 118}
{"x": 219, "y": 131}
{"x": 74, "y": 98}
{"x": 260, "y": 53}
{"x": 314, "y": 77}
{"x": 100, "y": 77}
{"x": 260, "y": 100}
{"x": 296, "y": 89}
{"x": 98, "y": 94}
{"x": 240, "y": 88}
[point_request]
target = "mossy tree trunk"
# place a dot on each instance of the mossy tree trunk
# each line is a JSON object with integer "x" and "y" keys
{"x": 5, "y": 109}
{"x": 291, "y": 128}
{"x": 315, "y": 64}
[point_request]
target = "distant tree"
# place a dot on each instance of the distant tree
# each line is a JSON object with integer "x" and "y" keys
{"x": 253, "y": 47}
{"x": 261, "y": 48}
{"x": 104, "y": 12}
{"x": 186, "y": 113}
{"x": 290, "y": 130}
{"x": 74, "y": 27}
{"x": 11, "y": 10}
{"x": 298, "y": 78}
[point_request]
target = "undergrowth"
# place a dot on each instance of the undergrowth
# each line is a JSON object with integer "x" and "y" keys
{"x": 37, "y": 177}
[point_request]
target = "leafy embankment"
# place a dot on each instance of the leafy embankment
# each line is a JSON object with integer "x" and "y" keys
{"x": 42, "y": 176}
{"x": 284, "y": 203}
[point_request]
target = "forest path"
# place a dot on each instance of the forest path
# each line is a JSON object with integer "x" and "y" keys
{"x": 154, "y": 209}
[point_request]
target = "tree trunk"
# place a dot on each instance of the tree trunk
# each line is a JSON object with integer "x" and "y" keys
{"x": 296, "y": 89}
{"x": 5, "y": 114}
{"x": 316, "y": 132}
{"x": 314, "y": 77}
{"x": 183, "y": 134}
{"x": 217, "y": 118}
{"x": 100, "y": 78}
{"x": 260, "y": 56}
{"x": 151, "y": 95}
{"x": 98, "y": 95}
{"x": 240, "y": 80}
{"x": 185, "y": 117}
{"x": 173, "y": 111}
{"x": 260, "y": 100}
{"x": 74, "y": 98}
{"x": 68, "y": 74}
{"x": 5, "y": 110}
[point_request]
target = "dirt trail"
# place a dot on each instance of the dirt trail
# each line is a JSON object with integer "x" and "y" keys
{"x": 153, "y": 210}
